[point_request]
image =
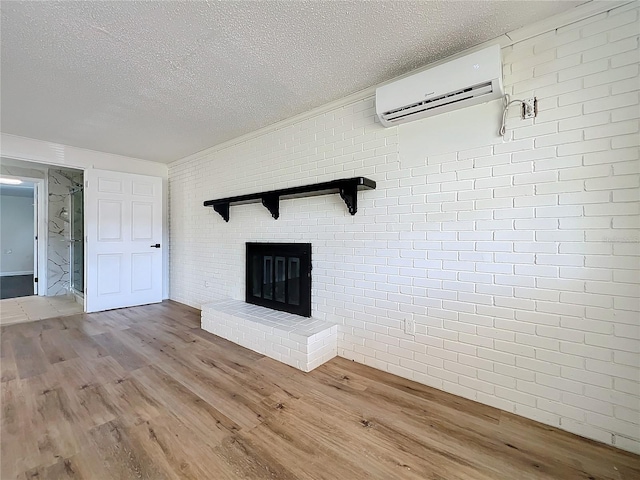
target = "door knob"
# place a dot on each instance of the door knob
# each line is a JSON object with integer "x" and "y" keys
{"x": 157, "y": 245}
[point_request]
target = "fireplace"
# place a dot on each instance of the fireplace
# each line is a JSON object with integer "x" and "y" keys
{"x": 278, "y": 276}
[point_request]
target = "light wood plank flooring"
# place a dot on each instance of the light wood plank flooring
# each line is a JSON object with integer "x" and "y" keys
{"x": 143, "y": 393}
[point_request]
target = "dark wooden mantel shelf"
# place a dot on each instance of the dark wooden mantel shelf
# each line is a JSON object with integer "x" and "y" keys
{"x": 346, "y": 187}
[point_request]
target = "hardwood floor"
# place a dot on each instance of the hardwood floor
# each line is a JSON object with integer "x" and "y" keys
{"x": 144, "y": 393}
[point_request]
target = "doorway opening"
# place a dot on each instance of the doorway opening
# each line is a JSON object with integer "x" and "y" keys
{"x": 18, "y": 227}
{"x": 50, "y": 247}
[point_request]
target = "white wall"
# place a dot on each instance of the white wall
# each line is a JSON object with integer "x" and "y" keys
{"x": 16, "y": 235}
{"x": 518, "y": 259}
{"x": 28, "y": 149}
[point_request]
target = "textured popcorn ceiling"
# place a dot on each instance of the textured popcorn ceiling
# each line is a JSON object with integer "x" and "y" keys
{"x": 162, "y": 80}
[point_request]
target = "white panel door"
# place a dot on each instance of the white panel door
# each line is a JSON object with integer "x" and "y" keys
{"x": 123, "y": 224}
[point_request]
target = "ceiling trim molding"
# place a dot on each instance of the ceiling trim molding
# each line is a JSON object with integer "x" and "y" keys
{"x": 586, "y": 10}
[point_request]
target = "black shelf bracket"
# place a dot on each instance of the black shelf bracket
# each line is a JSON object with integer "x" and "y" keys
{"x": 222, "y": 209}
{"x": 349, "y": 193}
{"x": 272, "y": 203}
{"x": 346, "y": 187}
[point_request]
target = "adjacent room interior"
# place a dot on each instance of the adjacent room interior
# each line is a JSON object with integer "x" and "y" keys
{"x": 18, "y": 234}
{"x": 42, "y": 241}
{"x": 320, "y": 240}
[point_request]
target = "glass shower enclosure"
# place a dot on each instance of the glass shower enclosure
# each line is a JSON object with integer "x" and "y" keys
{"x": 77, "y": 240}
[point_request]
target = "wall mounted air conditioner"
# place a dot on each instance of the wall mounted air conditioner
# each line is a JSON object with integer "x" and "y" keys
{"x": 469, "y": 80}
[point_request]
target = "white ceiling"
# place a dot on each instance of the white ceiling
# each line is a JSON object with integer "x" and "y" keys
{"x": 161, "y": 80}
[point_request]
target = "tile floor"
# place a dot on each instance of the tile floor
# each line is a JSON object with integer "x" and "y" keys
{"x": 28, "y": 309}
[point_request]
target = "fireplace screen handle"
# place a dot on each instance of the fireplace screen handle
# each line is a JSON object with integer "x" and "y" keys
{"x": 157, "y": 245}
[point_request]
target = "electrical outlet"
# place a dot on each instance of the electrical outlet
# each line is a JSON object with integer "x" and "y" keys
{"x": 529, "y": 108}
{"x": 409, "y": 326}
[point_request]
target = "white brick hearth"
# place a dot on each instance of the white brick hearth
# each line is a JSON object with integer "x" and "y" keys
{"x": 303, "y": 343}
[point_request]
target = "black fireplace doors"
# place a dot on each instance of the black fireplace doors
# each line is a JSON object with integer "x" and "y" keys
{"x": 278, "y": 276}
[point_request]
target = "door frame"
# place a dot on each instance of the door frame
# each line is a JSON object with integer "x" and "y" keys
{"x": 40, "y": 231}
{"x": 42, "y": 234}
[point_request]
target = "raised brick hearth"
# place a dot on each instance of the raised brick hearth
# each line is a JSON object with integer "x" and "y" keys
{"x": 303, "y": 343}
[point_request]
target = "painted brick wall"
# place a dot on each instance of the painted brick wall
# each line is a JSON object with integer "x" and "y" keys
{"x": 518, "y": 259}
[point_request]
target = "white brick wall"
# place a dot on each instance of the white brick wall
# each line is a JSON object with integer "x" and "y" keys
{"x": 518, "y": 260}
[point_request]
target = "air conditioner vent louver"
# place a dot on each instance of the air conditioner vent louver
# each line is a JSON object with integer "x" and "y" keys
{"x": 465, "y": 81}
{"x": 446, "y": 99}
